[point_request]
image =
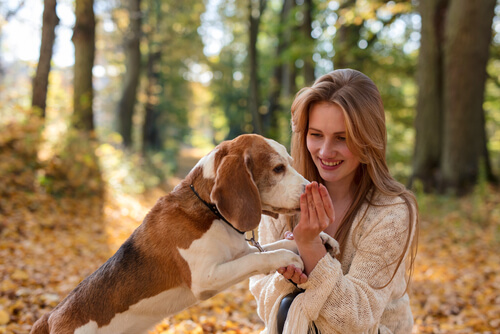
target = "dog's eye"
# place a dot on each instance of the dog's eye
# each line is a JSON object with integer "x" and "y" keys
{"x": 279, "y": 169}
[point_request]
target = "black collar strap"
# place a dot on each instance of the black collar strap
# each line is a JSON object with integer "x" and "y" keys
{"x": 216, "y": 212}
{"x": 214, "y": 209}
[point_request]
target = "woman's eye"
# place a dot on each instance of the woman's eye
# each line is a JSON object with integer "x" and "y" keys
{"x": 340, "y": 138}
{"x": 279, "y": 169}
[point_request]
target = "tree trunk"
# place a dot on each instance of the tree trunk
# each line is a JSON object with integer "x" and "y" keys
{"x": 451, "y": 140}
{"x": 345, "y": 41}
{"x": 151, "y": 139}
{"x": 307, "y": 30}
{"x": 133, "y": 67}
{"x": 287, "y": 80}
{"x": 275, "y": 87}
{"x": 84, "y": 41}
{"x": 430, "y": 108}
{"x": 468, "y": 37}
{"x": 255, "y": 8}
{"x": 41, "y": 79}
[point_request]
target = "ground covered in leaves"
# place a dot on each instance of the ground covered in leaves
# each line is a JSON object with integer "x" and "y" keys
{"x": 49, "y": 242}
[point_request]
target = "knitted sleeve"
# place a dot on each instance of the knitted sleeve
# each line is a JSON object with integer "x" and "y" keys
{"x": 269, "y": 290}
{"x": 354, "y": 302}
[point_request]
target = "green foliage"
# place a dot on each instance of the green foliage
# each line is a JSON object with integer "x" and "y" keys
{"x": 230, "y": 81}
{"x": 230, "y": 93}
{"x": 377, "y": 38}
{"x": 171, "y": 32}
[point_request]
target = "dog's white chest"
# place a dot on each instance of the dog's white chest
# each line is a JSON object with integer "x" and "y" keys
{"x": 218, "y": 245}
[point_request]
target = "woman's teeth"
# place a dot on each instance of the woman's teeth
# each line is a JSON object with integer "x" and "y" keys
{"x": 331, "y": 164}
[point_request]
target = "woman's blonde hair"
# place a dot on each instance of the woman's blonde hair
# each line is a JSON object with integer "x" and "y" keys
{"x": 360, "y": 100}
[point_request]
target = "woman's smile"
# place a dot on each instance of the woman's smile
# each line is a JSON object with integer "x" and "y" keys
{"x": 330, "y": 164}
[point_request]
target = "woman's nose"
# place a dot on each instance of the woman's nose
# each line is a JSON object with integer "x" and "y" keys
{"x": 328, "y": 149}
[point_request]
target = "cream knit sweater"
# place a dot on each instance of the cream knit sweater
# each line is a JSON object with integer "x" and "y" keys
{"x": 340, "y": 297}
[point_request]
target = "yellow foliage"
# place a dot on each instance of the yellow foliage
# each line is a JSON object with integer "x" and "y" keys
{"x": 4, "y": 317}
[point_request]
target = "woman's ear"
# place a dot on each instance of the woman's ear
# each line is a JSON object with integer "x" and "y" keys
{"x": 235, "y": 193}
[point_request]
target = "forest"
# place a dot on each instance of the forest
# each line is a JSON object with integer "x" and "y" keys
{"x": 106, "y": 105}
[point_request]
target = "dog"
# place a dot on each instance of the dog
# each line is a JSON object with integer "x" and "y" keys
{"x": 191, "y": 245}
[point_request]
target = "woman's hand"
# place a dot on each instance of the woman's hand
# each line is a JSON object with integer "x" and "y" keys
{"x": 316, "y": 214}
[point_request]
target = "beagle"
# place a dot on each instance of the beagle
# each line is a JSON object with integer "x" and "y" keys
{"x": 190, "y": 246}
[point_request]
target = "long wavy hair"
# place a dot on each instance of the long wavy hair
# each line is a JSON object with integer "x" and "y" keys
{"x": 361, "y": 103}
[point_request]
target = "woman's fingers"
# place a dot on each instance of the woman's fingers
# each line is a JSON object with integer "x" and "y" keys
{"x": 294, "y": 274}
{"x": 316, "y": 214}
{"x": 311, "y": 207}
{"x": 323, "y": 220}
{"x": 327, "y": 203}
{"x": 303, "y": 279}
{"x": 320, "y": 206}
{"x": 304, "y": 210}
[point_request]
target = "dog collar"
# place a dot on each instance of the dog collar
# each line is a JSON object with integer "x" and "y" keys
{"x": 216, "y": 212}
{"x": 214, "y": 209}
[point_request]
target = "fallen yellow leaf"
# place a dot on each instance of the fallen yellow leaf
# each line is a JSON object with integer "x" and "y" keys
{"x": 20, "y": 275}
{"x": 4, "y": 317}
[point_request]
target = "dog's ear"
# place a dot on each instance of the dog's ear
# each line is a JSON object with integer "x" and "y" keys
{"x": 235, "y": 193}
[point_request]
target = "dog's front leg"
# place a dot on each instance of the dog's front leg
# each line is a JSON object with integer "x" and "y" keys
{"x": 282, "y": 244}
{"x": 330, "y": 243}
{"x": 218, "y": 277}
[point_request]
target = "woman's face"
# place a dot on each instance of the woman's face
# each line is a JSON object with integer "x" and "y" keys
{"x": 326, "y": 142}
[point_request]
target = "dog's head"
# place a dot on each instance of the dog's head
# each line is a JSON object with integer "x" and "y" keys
{"x": 252, "y": 175}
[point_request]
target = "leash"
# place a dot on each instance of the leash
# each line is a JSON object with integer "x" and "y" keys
{"x": 216, "y": 211}
{"x": 255, "y": 243}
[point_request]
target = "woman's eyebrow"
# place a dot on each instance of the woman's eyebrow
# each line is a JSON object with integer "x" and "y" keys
{"x": 314, "y": 129}
{"x": 336, "y": 133}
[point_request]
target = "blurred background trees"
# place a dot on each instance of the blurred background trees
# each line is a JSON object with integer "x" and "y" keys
{"x": 153, "y": 76}
{"x": 451, "y": 140}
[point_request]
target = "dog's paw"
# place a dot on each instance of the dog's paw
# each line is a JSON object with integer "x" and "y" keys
{"x": 297, "y": 262}
{"x": 332, "y": 246}
{"x": 284, "y": 258}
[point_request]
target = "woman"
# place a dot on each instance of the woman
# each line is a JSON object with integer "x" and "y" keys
{"x": 339, "y": 143}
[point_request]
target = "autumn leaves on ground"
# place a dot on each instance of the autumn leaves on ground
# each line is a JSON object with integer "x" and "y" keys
{"x": 58, "y": 225}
